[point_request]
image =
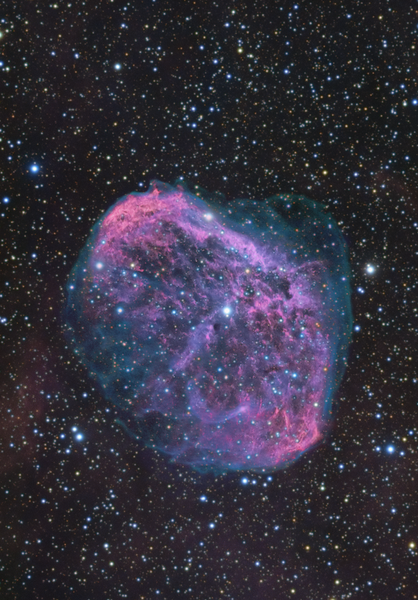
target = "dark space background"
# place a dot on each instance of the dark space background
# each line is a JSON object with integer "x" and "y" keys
{"x": 248, "y": 99}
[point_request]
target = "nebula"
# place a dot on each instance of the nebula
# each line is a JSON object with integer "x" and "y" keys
{"x": 220, "y": 329}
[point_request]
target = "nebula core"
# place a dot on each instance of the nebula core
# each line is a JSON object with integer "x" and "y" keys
{"x": 220, "y": 329}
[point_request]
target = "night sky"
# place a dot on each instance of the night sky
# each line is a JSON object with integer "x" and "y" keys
{"x": 249, "y": 100}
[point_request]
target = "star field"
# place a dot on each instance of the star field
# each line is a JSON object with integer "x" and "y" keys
{"x": 249, "y": 100}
